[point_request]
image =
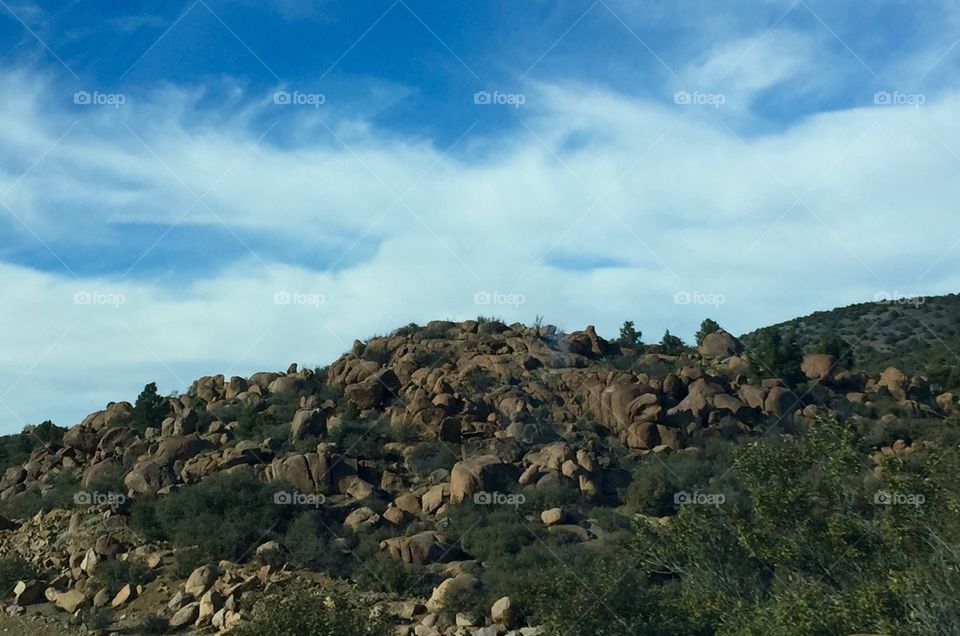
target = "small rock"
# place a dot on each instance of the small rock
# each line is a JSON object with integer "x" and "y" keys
{"x": 186, "y": 615}
{"x": 504, "y": 613}
{"x": 551, "y": 517}
{"x": 126, "y": 594}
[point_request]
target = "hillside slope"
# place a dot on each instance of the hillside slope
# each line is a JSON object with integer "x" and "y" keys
{"x": 919, "y": 335}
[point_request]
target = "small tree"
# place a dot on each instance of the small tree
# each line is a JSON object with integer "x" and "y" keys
{"x": 777, "y": 355}
{"x": 837, "y": 347}
{"x": 707, "y": 327}
{"x": 672, "y": 345}
{"x": 49, "y": 433}
{"x": 630, "y": 337}
{"x": 150, "y": 408}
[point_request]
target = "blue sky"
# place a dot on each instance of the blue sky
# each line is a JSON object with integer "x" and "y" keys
{"x": 168, "y": 171}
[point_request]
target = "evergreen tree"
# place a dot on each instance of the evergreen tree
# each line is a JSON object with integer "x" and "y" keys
{"x": 630, "y": 337}
{"x": 707, "y": 327}
{"x": 672, "y": 345}
{"x": 150, "y": 408}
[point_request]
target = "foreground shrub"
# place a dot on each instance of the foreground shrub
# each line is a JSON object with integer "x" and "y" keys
{"x": 299, "y": 611}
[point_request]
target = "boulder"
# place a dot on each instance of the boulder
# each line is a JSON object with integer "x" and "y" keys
{"x": 895, "y": 381}
{"x": 552, "y": 517}
{"x": 818, "y": 366}
{"x": 200, "y": 580}
{"x": 82, "y": 438}
{"x": 481, "y": 473}
{"x": 643, "y": 435}
{"x": 459, "y": 584}
{"x": 308, "y": 422}
{"x": 147, "y": 478}
{"x": 424, "y": 547}
{"x": 780, "y": 401}
{"x": 180, "y": 448}
{"x": 126, "y": 594}
{"x": 307, "y": 472}
{"x": 186, "y": 615}
{"x": 210, "y": 603}
{"x": 69, "y": 601}
{"x": 504, "y": 613}
{"x": 719, "y": 344}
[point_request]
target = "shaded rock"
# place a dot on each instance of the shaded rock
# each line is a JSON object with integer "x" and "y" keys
{"x": 481, "y": 473}
{"x": 425, "y": 547}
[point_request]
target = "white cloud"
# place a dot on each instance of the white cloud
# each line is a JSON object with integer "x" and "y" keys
{"x": 687, "y": 206}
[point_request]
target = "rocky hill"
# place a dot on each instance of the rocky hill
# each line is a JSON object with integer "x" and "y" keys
{"x": 417, "y": 480}
{"x": 919, "y": 334}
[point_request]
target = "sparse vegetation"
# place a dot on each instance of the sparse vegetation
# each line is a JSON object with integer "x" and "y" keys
{"x": 331, "y": 611}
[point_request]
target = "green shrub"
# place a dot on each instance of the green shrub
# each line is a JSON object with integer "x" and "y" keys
{"x": 226, "y": 515}
{"x": 114, "y": 574}
{"x": 152, "y": 624}
{"x": 334, "y": 611}
{"x": 13, "y": 568}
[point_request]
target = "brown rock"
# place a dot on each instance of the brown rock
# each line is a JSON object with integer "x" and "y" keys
{"x": 424, "y": 547}
{"x": 126, "y": 594}
{"x": 200, "y": 580}
{"x": 719, "y": 344}
{"x": 481, "y": 473}
{"x": 817, "y": 366}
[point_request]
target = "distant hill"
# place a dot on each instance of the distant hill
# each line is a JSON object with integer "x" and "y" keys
{"x": 919, "y": 335}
